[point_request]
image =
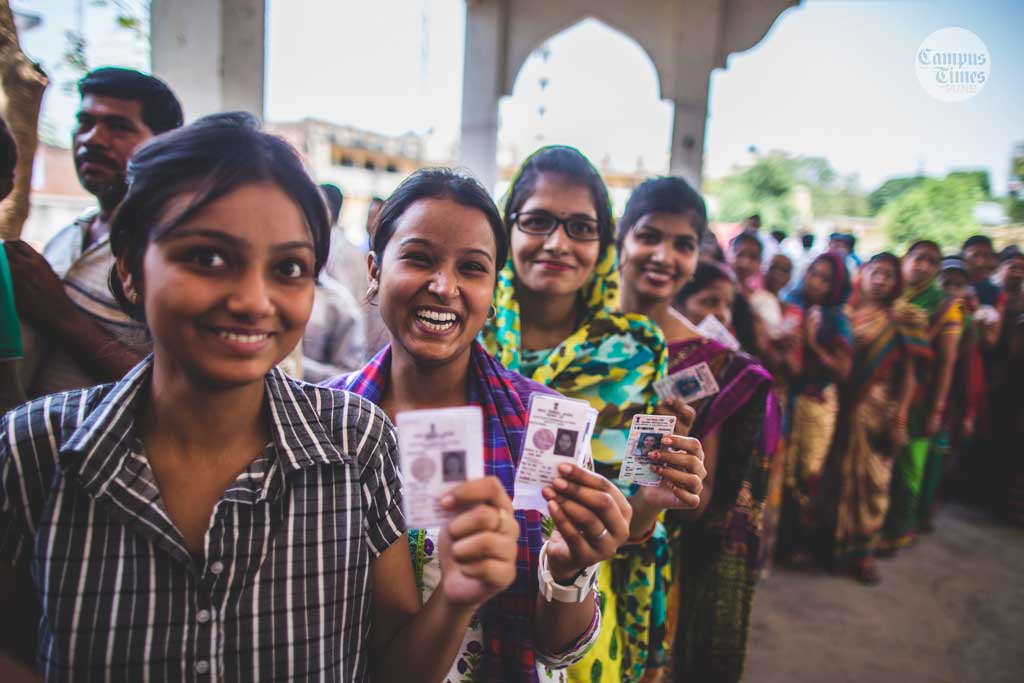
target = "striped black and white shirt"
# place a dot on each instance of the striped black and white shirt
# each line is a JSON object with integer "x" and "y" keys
{"x": 283, "y": 589}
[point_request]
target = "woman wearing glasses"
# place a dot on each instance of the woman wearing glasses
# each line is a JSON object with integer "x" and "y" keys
{"x": 556, "y": 323}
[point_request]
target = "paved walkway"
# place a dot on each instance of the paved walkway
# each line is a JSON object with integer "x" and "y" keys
{"x": 950, "y": 610}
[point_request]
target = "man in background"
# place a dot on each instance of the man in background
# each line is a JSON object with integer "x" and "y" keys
{"x": 980, "y": 256}
{"x": 769, "y": 247}
{"x": 845, "y": 244}
{"x": 76, "y": 334}
{"x": 335, "y": 341}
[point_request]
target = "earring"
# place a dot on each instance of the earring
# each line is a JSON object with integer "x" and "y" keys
{"x": 492, "y": 312}
{"x": 371, "y": 291}
{"x": 133, "y": 297}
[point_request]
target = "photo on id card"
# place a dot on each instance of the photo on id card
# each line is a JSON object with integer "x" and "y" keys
{"x": 645, "y": 435}
{"x": 689, "y": 385}
{"x": 437, "y": 450}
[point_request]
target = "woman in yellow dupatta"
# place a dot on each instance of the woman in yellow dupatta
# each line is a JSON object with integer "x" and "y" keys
{"x": 556, "y": 323}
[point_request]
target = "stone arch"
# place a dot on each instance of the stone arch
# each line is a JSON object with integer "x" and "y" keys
{"x": 583, "y": 57}
{"x": 685, "y": 40}
{"x": 529, "y": 38}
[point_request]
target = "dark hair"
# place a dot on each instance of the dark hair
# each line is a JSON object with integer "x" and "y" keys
{"x": 569, "y": 162}
{"x": 1010, "y": 252}
{"x": 8, "y": 150}
{"x": 667, "y": 194}
{"x": 978, "y": 241}
{"x": 741, "y": 237}
{"x": 711, "y": 248}
{"x": 778, "y": 235}
{"x": 928, "y": 244}
{"x": 844, "y": 237}
{"x": 439, "y": 183}
{"x": 212, "y": 157}
{"x": 161, "y": 110}
{"x": 707, "y": 273}
{"x": 807, "y": 240}
{"x": 334, "y": 198}
{"x": 894, "y": 261}
{"x": 953, "y": 263}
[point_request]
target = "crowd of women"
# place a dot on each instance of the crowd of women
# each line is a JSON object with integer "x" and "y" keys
{"x": 209, "y": 516}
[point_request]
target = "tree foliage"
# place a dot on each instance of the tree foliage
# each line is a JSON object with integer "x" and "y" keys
{"x": 979, "y": 178}
{"x": 939, "y": 210}
{"x": 891, "y": 189}
{"x": 769, "y": 187}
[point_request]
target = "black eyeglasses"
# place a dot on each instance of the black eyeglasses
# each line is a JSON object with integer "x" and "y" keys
{"x": 542, "y": 223}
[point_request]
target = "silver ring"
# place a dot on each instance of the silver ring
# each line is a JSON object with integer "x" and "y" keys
{"x": 595, "y": 539}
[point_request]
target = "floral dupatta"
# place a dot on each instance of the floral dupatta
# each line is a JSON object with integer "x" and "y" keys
{"x": 611, "y": 360}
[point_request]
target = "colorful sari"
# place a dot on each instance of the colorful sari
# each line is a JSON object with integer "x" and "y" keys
{"x": 918, "y": 468}
{"x": 812, "y": 412}
{"x": 861, "y": 464}
{"x": 611, "y": 361}
{"x": 716, "y": 558}
{"x": 506, "y": 650}
{"x": 776, "y": 316}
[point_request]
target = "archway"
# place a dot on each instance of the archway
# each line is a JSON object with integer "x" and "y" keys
{"x": 597, "y": 89}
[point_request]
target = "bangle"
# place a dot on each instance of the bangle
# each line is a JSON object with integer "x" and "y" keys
{"x": 644, "y": 537}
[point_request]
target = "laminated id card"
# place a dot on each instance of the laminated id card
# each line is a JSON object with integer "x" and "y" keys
{"x": 689, "y": 385}
{"x": 712, "y": 328}
{"x": 559, "y": 430}
{"x": 645, "y": 436}
{"x": 438, "y": 449}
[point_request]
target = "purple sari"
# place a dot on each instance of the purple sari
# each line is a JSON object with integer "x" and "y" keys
{"x": 716, "y": 558}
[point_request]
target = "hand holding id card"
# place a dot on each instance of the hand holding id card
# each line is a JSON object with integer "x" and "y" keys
{"x": 558, "y": 431}
{"x": 689, "y": 385}
{"x": 645, "y": 435}
{"x": 438, "y": 450}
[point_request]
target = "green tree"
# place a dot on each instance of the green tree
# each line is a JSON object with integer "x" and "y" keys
{"x": 892, "y": 189}
{"x": 979, "y": 178}
{"x": 1015, "y": 201}
{"x": 767, "y": 187}
{"x": 939, "y": 210}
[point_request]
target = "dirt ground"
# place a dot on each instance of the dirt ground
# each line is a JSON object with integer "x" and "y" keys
{"x": 950, "y": 610}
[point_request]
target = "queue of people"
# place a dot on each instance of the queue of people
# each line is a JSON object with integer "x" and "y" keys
{"x": 205, "y": 514}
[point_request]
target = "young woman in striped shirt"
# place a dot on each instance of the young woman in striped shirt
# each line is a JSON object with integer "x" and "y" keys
{"x": 207, "y": 517}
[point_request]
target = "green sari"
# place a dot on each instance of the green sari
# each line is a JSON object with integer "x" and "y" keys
{"x": 918, "y": 468}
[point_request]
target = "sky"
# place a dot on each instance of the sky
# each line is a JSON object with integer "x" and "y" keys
{"x": 833, "y": 78}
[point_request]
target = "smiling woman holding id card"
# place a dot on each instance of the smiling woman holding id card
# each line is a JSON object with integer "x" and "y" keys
{"x": 715, "y": 548}
{"x": 520, "y": 581}
{"x": 556, "y": 322}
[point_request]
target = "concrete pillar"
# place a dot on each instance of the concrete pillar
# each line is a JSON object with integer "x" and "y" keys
{"x": 687, "y": 156}
{"x": 211, "y": 53}
{"x": 483, "y": 70}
